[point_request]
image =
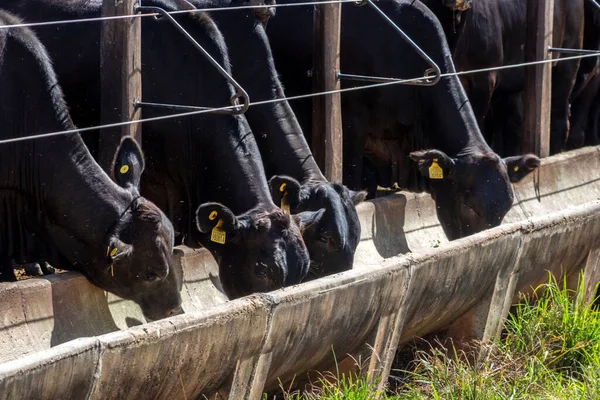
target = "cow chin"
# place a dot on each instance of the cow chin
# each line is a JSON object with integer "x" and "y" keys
{"x": 157, "y": 305}
{"x": 164, "y": 299}
{"x": 237, "y": 283}
{"x": 263, "y": 274}
{"x": 154, "y": 308}
{"x": 324, "y": 263}
{"x": 462, "y": 223}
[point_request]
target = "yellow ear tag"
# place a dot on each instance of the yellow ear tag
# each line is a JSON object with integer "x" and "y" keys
{"x": 218, "y": 235}
{"x": 516, "y": 168}
{"x": 112, "y": 270}
{"x": 435, "y": 171}
{"x": 124, "y": 169}
{"x": 282, "y": 187}
{"x": 213, "y": 215}
{"x": 113, "y": 252}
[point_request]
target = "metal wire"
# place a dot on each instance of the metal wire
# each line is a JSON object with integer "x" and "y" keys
{"x": 433, "y": 67}
{"x": 97, "y": 19}
{"x": 240, "y": 93}
{"x": 202, "y": 110}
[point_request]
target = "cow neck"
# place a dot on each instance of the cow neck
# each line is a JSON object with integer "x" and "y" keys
{"x": 113, "y": 230}
{"x": 83, "y": 200}
{"x": 450, "y": 117}
{"x": 234, "y": 173}
{"x": 279, "y": 136}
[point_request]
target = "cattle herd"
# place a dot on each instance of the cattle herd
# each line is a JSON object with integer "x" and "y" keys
{"x": 246, "y": 187}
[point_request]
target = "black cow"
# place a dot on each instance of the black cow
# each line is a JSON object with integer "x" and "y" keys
{"x": 331, "y": 229}
{"x": 492, "y": 33}
{"x": 584, "y": 99}
{"x": 210, "y": 159}
{"x": 470, "y": 184}
{"x": 591, "y": 41}
{"x": 585, "y": 111}
{"x": 53, "y": 187}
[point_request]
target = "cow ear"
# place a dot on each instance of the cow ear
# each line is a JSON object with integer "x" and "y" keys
{"x": 285, "y": 192}
{"x": 358, "y": 197}
{"x": 118, "y": 250}
{"x": 309, "y": 219}
{"x": 217, "y": 219}
{"x": 519, "y": 167}
{"x": 433, "y": 164}
{"x": 129, "y": 164}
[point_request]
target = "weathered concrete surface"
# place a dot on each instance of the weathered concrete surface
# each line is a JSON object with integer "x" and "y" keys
{"x": 201, "y": 286}
{"x": 163, "y": 359}
{"x": 557, "y": 243}
{"x": 297, "y": 319}
{"x": 451, "y": 280}
{"x": 567, "y": 179}
{"x": 341, "y": 311}
{"x": 193, "y": 353}
{"x": 244, "y": 344}
{"x": 46, "y": 312}
{"x": 64, "y": 372}
{"x": 397, "y": 224}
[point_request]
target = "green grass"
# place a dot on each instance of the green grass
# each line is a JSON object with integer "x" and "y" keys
{"x": 550, "y": 349}
{"x": 342, "y": 388}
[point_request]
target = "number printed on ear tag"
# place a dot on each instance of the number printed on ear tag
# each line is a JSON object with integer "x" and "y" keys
{"x": 218, "y": 235}
{"x": 435, "y": 171}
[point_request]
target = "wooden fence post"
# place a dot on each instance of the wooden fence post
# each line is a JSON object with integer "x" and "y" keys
{"x": 538, "y": 78}
{"x": 327, "y": 113}
{"x": 121, "y": 76}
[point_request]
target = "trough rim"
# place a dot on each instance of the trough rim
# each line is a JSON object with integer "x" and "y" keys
{"x": 271, "y": 300}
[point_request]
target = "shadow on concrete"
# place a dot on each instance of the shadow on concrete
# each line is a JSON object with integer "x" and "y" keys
{"x": 389, "y": 236}
{"x": 80, "y": 309}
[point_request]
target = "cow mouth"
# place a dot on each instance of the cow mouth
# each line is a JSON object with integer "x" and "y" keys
{"x": 315, "y": 269}
{"x": 152, "y": 316}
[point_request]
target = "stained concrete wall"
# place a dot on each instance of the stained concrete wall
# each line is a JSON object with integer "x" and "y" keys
{"x": 61, "y": 337}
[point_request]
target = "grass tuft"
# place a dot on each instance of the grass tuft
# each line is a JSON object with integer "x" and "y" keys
{"x": 550, "y": 349}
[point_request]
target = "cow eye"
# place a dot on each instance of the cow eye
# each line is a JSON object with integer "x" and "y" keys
{"x": 324, "y": 239}
{"x": 150, "y": 277}
{"x": 261, "y": 269}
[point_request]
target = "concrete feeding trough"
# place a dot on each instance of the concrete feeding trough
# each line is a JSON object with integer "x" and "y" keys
{"x": 61, "y": 337}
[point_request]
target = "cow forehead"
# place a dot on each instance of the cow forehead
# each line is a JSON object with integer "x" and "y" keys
{"x": 480, "y": 164}
{"x": 269, "y": 222}
{"x": 332, "y": 193}
{"x": 480, "y": 158}
{"x": 337, "y": 205}
{"x": 485, "y": 169}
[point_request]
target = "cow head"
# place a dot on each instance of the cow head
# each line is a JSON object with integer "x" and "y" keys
{"x": 258, "y": 251}
{"x": 137, "y": 257}
{"x": 472, "y": 192}
{"x": 327, "y": 216}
